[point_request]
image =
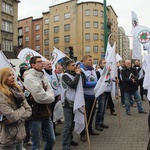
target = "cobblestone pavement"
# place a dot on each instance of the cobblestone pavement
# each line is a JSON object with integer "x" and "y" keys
{"x": 133, "y": 133}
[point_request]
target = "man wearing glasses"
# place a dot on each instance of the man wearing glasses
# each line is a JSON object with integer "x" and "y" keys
{"x": 40, "y": 97}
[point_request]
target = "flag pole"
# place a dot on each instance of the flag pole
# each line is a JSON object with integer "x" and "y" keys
{"x": 91, "y": 111}
{"x": 87, "y": 131}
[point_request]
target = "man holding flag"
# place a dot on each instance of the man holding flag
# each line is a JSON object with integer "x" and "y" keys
{"x": 70, "y": 81}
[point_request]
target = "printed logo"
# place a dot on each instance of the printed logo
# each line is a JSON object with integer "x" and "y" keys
{"x": 54, "y": 84}
{"x": 144, "y": 36}
{"x": 91, "y": 78}
{"x": 134, "y": 22}
{"x": 54, "y": 57}
{"x": 27, "y": 57}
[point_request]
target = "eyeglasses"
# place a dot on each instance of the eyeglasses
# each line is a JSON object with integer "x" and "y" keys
{"x": 39, "y": 61}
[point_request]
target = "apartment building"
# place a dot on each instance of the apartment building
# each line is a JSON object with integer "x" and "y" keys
{"x": 80, "y": 25}
{"x": 8, "y": 26}
{"x": 30, "y": 34}
{"x": 123, "y": 44}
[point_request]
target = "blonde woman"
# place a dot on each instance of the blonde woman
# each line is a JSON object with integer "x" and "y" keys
{"x": 14, "y": 110}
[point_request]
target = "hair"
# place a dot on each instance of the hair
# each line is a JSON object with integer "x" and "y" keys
{"x": 57, "y": 64}
{"x": 33, "y": 60}
{"x": 86, "y": 57}
{"x": 4, "y": 88}
{"x": 100, "y": 62}
{"x": 69, "y": 62}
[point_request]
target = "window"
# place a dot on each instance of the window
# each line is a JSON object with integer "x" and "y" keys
{"x": 102, "y": 25}
{"x": 95, "y": 24}
{"x": 66, "y": 15}
{"x": 26, "y": 29}
{"x": 46, "y": 42}
{"x": 87, "y": 36}
{"x": 56, "y": 18}
{"x": 20, "y": 41}
{"x": 67, "y": 38}
{"x": 87, "y": 24}
{"x": 102, "y": 49}
{"x": 87, "y": 12}
{"x": 20, "y": 31}
{"x": 46, "y": 52}
{"x": 6, "y": 26}
{"x": 95, "y": 49}
{"x": 56, "y": 29}
{"x": 101, "y": 13}
{"x": 67, "y": 27}
{"x": 37, "y": 37}
{"x": 87, "y": 49}
{"x": 95, "y": 36}
{"x": 56, "y": 40}
{"x": 7, "y": 8}
{"x": 37, "y": 48}
{"x": 37, "y": 27}
{"x": 102, "y": 37}
{"x": 46, "y": 21}
{"x": 95, "y": 12}
{"x": 7, "y": 45}
{"x": 27, "y": 39}
{"x": 67, "y": 50}
{"x": 95, "y": 61}
{"x": 46, "y": 31}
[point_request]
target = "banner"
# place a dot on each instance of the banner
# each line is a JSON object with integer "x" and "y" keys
{"x": 136, "y": 52}
{"x": 26, "y": 54}
{"x": 78, "y": 108}
{"x": 56, "y": 55}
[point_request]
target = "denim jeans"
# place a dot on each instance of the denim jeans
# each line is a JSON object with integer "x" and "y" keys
{"x": 137, "y": 98}
{"x": 102, "y": 103}
{"x": 37, "y": 126}
{"x": 17, "y": 146}
{"x": 68, "y": 127}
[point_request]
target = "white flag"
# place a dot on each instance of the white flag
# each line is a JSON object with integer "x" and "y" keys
{"x": 56, "y": 55}
{"x": 142, "y": 33}
{"x": 78, "y": 108}
{"x": 136, "y": 53}
{"x": 146, "y": 82}
{"x": 118, "y": 57}
{"x": 27, "y": 53}
{"x": 3, "y": 61}
{"x": 108, "y": 73}
{"x": 108, "y": 49}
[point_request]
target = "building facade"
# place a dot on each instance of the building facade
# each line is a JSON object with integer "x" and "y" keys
{"x": 76, "y": 25}
{"x": 123, "y": 44}
{"x": 30, "y": 34}
{"x": 8, "y": 26}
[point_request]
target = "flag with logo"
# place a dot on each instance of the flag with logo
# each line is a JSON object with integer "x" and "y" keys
{"x": 109, "y": 72}
{"x": 136, "y": 53}
{"x": 4, "y": 61}
{"x": 142, "y": 33}
{"x": 78, "y": 108}
{"x": 146, "y": 82}
{"x": 27, "y": 53}
{"x": 56, "y": 55}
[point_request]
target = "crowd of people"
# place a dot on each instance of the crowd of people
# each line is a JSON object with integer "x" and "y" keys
{"x": 27, "y": 105}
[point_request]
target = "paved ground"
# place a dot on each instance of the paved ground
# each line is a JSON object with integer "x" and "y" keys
{"x": 132, "y": 135}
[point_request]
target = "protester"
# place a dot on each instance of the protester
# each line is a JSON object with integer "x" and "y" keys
{"x": 130, "y": 80}
{"x": 40, "y": 97}
{"x": 55, "y": 84}
{"x": 69, "y": 82}
{"x": 89, "y": 82}
{"x": 102, "y": 102}
{"x": 14, "y": 110}
{"x": 141, "y": 74}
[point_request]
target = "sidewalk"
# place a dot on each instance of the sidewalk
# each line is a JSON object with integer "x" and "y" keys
{"x": 132, "y": 135}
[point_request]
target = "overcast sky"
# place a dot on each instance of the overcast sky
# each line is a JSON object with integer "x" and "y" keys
{"x": 122, "y": 8}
